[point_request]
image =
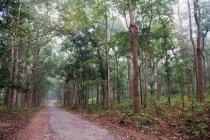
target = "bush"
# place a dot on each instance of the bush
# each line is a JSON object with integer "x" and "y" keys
{"x": 197, "y": 127}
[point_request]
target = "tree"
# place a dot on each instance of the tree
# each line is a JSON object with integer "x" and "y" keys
{"x": 198, "y": 60}
{"x": 133, "y": 41}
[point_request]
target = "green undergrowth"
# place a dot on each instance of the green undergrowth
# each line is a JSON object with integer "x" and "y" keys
{"x": 17, "y": 110}
{"x": 190, "y": 117}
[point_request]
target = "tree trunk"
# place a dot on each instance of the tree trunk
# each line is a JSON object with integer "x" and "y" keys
{"x": 86, "y": 97}
{"x": 198, "y": 61}
{"x": 133, "y": 41}
{"x": 39, "y": 94}
{"x": 118, "y": 81}
{"x": 23, "y": 81}
{"x": 98, "y": 95}
{"x": 145, "y": 80}
{"x": 31, "y": 91}
{"x": 158, "y": 82}
{"x": 15, "y": 60}
{"x": 107, "y": 66}
{"x": 152, "y": 79}
{"x": 100, "y": 71}
{"x": 75, "y": 101}
{"x": 130, "y": 79}
{"x": 184, "y": 53}
{"x": 10, "y": 91}
{"x": 169, "y": 90}
{"x": 85, "y": 86}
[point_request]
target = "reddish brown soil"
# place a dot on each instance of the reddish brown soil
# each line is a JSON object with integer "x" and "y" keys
{"x": 157, "y": 129}
{"x": 12, "y": 122}
{"x": 39, "y": 128}
{"x": 120, "y": 130}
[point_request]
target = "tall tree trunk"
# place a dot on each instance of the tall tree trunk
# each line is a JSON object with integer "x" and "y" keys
{"x": 133, "y": 41}
{"x": 184, "y": 52}
{"x": 32, "y": 84}
{"x": 16, "y": 53}
{"x": 39, "y": 94}
{"x": 6, "y": 96}
{"x": 168, "y": 79}
{"x": 152, "y": 79}
{"x": 145, "y": 80}
{"x": 130, "y": 79}
{"x": 158, "y": 82}
{"x": 75, "y": 101}
{"x": 140, "y": 82}
{"x": 193, "y": 44}
{"x": 86, "y": 90}
{"x": 98, "y": 95}
{"x": 9, "y": 99}
{"x": 198, "y": 61}
{"x": 165, "y": 88}
{"x": 118, "y": 81}
{"x": 23, "y": 81}
{"x": 10, "y": 91}
{"x": 107, "y": 66}
{"x": 100, "y": 71}
{"x": 15, "y": 60}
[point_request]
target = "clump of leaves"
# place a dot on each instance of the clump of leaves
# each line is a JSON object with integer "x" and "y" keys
{"x": 126, "y": 105}
{"x": 197, "y": 127}
{"x": 136, "y": 120}
{"x": 75, "y": 107}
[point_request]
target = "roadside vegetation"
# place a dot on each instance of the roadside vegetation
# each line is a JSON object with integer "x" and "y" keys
{"x": 142, "y": 65}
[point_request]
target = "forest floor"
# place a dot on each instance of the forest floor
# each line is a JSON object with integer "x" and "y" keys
{"x": 11, "y": 122}
{"x": 162, "y": 122}
{"x": 120, "y": 130}
{"x": 54, "y": 123}
{"x": 51, "y": 123}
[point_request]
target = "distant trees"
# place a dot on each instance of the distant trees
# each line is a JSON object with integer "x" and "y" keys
{"x": 149, "y": 45}
{"x": 22, "y": 40}
{"x": 110, "y": 51}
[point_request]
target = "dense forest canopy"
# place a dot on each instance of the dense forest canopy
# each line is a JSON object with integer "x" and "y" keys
{"x": 103, "y": 53}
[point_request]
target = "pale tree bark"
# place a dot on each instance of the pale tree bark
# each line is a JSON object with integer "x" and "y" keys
{"x": 193, "y": 42}
{"x": 75, "y": 100}
{"x": 31, "y": 90}
{"x": 23, "y": 81}
{"x": 184, "y": 53}
{"x": 152, "y": 78}
{"x": 16, "y": 75}
{"x": 198, "y": 61}
{"x": 16, "y": 50}
{"x": 108, "y": 93}
{"x": 34, "y": 67}
{"x": 85, "y": 87}
{"x": 200, "y": 89}
{"x": 10, "y": 90}
{"x": 118, "y": 80}
{"x": 133, "y": 41}
{"x": 130, "y": 88}
{"x": 158, "y": 81}
{"x": 145, "y": 79}
{"x": 99, "y": 87}
{"x": 98, "y": 100}
{"x": 15, "y": 60}
{"x": 33, "y": 75}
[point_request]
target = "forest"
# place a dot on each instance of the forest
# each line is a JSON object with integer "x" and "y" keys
{"x": 140, "y": 69}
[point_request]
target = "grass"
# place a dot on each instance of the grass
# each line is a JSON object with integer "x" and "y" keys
{"x": 191, "y": 119}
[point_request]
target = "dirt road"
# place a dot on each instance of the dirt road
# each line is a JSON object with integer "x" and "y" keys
{"x": 53, "y": 123}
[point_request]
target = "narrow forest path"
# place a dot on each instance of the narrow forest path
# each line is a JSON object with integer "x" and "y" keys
{"x": 69, "y": 127}
{"x": 53, "y": 123}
